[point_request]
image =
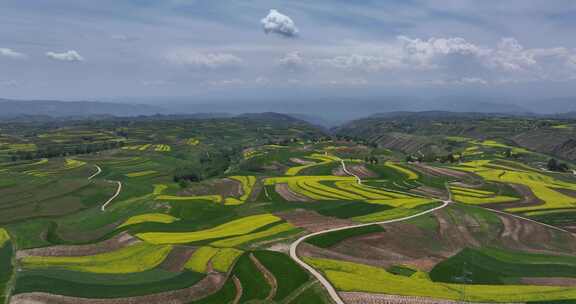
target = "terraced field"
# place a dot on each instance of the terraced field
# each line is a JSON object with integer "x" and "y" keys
{"x": 257, "y": 211}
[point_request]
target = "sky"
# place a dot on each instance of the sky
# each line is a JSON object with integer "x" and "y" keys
{"x": 270, "y": 49}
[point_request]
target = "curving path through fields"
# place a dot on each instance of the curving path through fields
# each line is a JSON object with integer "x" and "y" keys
{"x": 327, "y": 285}
{"x": 118, "y": 189}
{"x": 358, "y": 179}
{"x": 98, "y": 171}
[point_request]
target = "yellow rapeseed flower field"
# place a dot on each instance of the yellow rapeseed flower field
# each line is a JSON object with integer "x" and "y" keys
{"x": 347, "y": 276}
{"x": 150, "y": 217}
{"x": 234, "y": 228}
{"x": 135, "y": 258}
{"x": 239, "y": 240}
{"x": 4, "y": 237}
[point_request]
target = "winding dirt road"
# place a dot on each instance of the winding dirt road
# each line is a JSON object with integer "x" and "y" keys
{"x": 98, "y": 171}
{"x": 118, "y": 189}
{"x": 327, "y": 285}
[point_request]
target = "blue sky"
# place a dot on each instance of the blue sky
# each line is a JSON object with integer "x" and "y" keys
{"x": 78, "y": 49}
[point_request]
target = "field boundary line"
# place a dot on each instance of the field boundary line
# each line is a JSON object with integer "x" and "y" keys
{"x": 527, "y": 219}
{"x": 11, "y": 285}
{"x": 515, "y": 216}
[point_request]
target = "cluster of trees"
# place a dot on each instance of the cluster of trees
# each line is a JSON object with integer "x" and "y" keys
{"x": 210, "y": 164}
{"x": 509, "y": 154}
{"x": 63, "y": 151}
{"x": 371, "y": 160}
{"x": 427, "y": 158}
{"x": 554, "y": 165}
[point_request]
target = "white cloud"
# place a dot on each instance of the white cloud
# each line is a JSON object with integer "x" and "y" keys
{"x": 11, "y": 53}
{"x": 424, "y": 53}
{"x": 280, "y": 24}
{"x": 293, "y": 62}
{"x": 509, "y": 55}
{"x": 70, "y": 56}
{"x": 204, "y": 61}
{"x": 370, "y": 63}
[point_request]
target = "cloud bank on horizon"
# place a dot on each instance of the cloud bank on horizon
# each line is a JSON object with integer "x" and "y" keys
{"x": 208, "y": 48}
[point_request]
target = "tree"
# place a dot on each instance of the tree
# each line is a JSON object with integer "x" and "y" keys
{"x": 554, "y": 165}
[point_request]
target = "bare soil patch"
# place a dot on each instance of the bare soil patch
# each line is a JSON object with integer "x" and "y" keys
{"x": 300, "y": 161}
{"x": 528, "y": 199}
{"x": 373, "y": 298}
{"x": 569, "y": 282}
{"x": 520, "y": 234}
{"x": 177, "y": 258}
{"x": 402, "y": 243}
{"x": 429, "y": 191}
{"x": 359, "y": 170}
{"x": 289, "y": 195}
{"x": 121, "y": 240}
{"x": 239, "y": 290}
{"x": 568, "y": 192}
{"x": 441, "y": 171}
{"x": 312, "y": 221}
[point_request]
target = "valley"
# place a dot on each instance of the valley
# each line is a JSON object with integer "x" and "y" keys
{"x": 266, "y": 208}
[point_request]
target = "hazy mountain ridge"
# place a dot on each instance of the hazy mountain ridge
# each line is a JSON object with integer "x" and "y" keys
{"x": 54, "y": 108}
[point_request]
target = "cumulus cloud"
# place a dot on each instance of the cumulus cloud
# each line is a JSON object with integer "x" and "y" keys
{"x": 280, "y": 24}
{"x": 424, "y": 53}
{"x": 204, "y": 61}
{"x": 509, "y": 55}
{"x": 365, "y": 62}
{"x": 293, "y": 62}
{"x": 459, "y": 60}
{"x": 10, "y": 53}
{"x": 69, "y": 56}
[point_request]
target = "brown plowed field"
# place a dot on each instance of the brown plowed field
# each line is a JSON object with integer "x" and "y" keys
{"x": 177, "y": 258}
{"x": 442, "y": 172}
{"x": 528, "y": 199}
{"x": 373, "y": 298}
{"x": 312, "y": 221}
{"x": 358, "y": 170}
{"x": 121, "y": 240}
{"x": 289, "y": 195}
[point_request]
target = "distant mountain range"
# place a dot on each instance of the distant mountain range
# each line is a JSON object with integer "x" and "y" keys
{"x": 52, "y": 108}
{"x": 326, "y": 112}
